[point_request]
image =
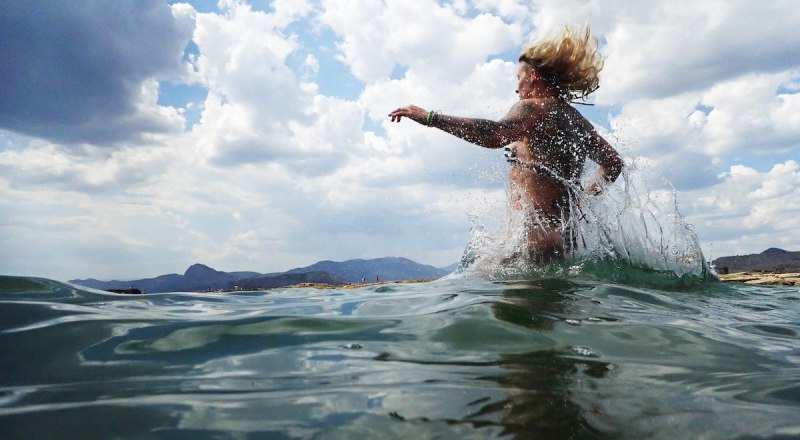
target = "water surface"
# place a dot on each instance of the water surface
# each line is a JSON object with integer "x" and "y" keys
{"x": 461, "y": 357}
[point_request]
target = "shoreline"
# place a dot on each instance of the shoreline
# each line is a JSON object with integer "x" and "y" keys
{"x": 756, "y": 278}
{"x": 763, "y": 278}
{"x": 746, "y": 277}
{"x": 355, "y": 285}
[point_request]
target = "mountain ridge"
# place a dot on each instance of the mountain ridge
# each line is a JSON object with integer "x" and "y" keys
{"x": 200, "y": 277}
{"x": 771, "y": 260}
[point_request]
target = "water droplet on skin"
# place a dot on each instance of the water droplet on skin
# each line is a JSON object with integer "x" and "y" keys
{"x": 625, "y": 223}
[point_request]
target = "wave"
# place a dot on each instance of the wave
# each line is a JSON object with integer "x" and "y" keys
{"x": 628, "y": 234}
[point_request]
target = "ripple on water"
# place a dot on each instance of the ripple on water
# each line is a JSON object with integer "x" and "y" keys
{"x": 780, "y": 331}
{"x": 458, "y": 358}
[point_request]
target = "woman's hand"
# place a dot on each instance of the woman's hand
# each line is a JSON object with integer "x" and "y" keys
{"x": 511, "y": 156}
{"x": 595, "y": 188}
{"x": 416, "y": 114}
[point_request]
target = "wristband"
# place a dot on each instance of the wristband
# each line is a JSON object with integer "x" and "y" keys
{"x": 429, "y": 118}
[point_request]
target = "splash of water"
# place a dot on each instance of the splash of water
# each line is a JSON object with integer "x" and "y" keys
{"x": 627, "y": 231}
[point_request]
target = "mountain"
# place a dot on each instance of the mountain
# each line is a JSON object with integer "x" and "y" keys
{"x": 385, "y": 269}
{"x": 200, "y": 277}
{"x": 771, "y": 260}
{"x": 197, "y": 277}
{"x": 163, "y": 283}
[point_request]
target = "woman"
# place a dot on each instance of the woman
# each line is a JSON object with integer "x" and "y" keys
{"x": 546, "y": 139}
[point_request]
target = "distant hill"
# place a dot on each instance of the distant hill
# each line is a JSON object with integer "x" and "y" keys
{"x": 771, "y": 260}
{"x": 200, "y": 277}
{"x": 197, "y": 277}
{"x": 385, "y": 269}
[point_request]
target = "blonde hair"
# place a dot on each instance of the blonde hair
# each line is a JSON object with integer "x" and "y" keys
{"x": 570, "y": 61}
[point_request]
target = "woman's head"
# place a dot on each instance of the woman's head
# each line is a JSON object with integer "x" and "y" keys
{"x": 568, "y": 61}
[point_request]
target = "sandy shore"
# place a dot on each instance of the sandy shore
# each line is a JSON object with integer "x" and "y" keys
{"x": 766, "y": 278}
{"x": 356, "y": 285}
{"x": 763, "y": 278}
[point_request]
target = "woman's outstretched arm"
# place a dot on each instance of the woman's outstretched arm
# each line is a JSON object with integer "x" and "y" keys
{"x": 483, "y": 132}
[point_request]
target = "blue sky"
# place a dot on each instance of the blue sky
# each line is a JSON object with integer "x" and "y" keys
{"x": 141, "y": 137}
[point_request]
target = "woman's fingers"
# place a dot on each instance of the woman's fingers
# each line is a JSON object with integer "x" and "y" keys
{"x": 409, "y": 112}
{"x": 396, "y": 115}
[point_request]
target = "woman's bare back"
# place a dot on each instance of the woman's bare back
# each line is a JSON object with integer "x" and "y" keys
{"x": 549, "y": 161}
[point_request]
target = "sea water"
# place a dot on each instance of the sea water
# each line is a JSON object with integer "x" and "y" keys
{"x": 460, "y": 357}
{"x": 630, "y": 336}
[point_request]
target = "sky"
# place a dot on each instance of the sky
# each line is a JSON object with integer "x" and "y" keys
{"x": 138, "y": 137}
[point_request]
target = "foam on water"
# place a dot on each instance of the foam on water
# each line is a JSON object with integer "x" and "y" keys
{"x": 627, "y": 232}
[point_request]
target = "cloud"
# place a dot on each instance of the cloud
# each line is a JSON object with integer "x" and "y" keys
{"x": 279, "y": 171}
{"x": 254, "y": 98}
{"x": 84, "y": 73}
{"x": 664, "y": 49}
{"x": 426, "y": 36}
{"x": 690, "y": 137}
{"x": 750, "y": 113}
{"x": 51, "y": 167}
{"x": 749, "y": 209}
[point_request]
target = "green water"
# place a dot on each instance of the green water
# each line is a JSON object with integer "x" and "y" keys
{"x": 556, "y": 356}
